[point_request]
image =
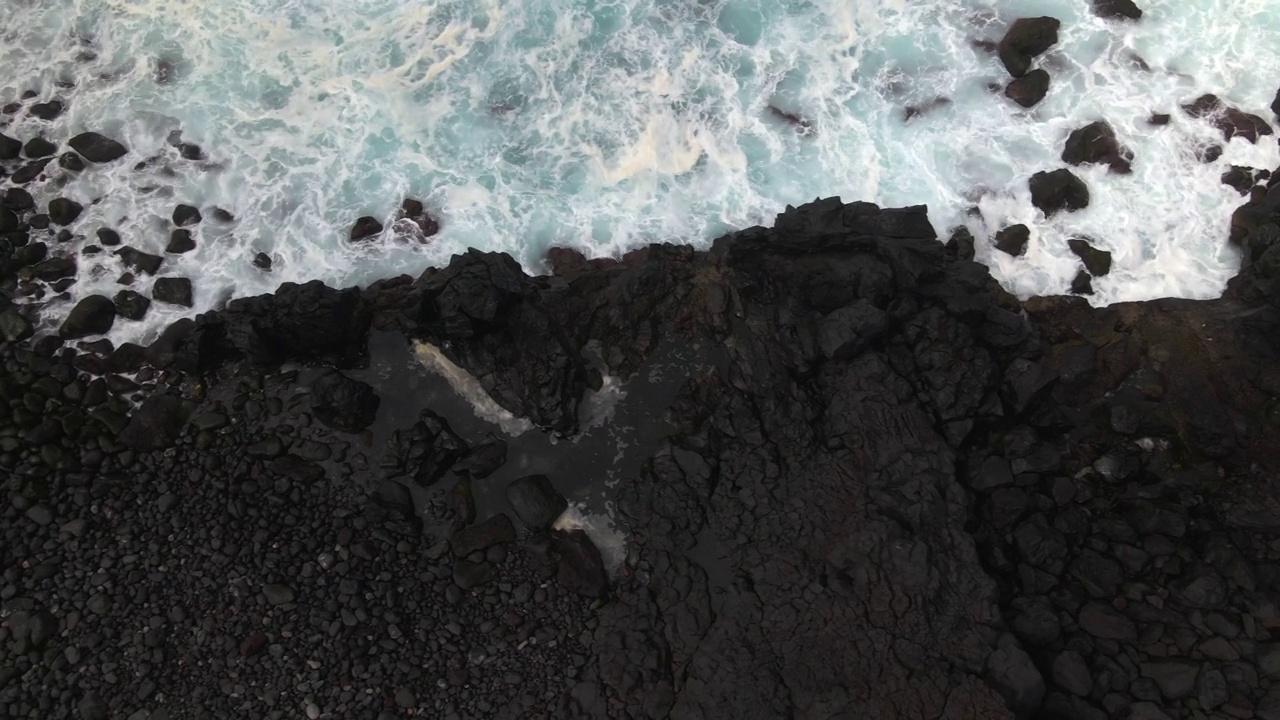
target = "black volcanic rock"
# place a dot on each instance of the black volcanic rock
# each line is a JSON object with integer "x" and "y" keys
{"x": 1117, "y": 9}
{"x": 1025, "y": 39}
{"x": 10, "y": 148}
{"x": 135, "y": 258}
{"x": 93, "y": 315}
{"x": 1082, "y": 283}
{"x": 1013, "y": 240}
{"x": 186, "y": 215}
{"x": 63, "y": 211}
{"x": 310, "y": 321}
{"x": 343, "y": 403}
{"x": 97, "y": 148}
{"x": 38, "y": 147}
{"x": 172, "y": 290}
{"x": 71, "y": 162}
{"x": 1097, "y": 143}
{"x": 1058, "y": 190}
{"x": 47, "y": 110}
{"x": 1097, "y": 261}
{"x": 16, "y": 198}
{"x": 1029, "y": 89}
{"x": 1231, "y": 121}
{"x": 535, "y": 501}
{"x": 180, "y": 241}
{"x": 364, "y": 228}
{"x": 108, "y": 237}
{"x": 131, "y": 304}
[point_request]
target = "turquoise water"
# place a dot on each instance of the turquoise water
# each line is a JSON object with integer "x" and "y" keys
{"x": 603, "y": 125}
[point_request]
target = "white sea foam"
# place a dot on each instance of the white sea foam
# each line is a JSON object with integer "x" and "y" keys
{"x": 603, "y": 125}
{"x": 469, "y": 388}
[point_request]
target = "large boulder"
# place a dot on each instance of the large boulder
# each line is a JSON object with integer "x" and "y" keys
{"x": 1097, "y": 143}
{"x": 343, "y": 403}
{"x": 1027, "y": 38}
{"x": 1028, "y": 90}
{"x": 93, "y": 315}
{"x": 97, "y": 148}
{"x": 10, "y": 149}
{"x": 1231, "y": 121}
{"x": 1058, "y": 190}
{"x": 302, "y": 322}
{"x": 535, "y": 501}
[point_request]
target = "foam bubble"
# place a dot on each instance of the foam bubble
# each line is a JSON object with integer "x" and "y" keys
{"x": 609, "y": 125}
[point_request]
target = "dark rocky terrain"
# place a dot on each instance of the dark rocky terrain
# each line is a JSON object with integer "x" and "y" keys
{"x": 885, "y": 488}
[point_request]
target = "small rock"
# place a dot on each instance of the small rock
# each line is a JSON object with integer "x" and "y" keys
{"x": 1117, "y": 10}
{"x": 278, "y": 594}
{"x": 134, "y": 258}
{"x": 262, "y": 261}
{"x": 47, "y": 110}
{"x": 71, "y": 162}
{"x": 108, "y": 237}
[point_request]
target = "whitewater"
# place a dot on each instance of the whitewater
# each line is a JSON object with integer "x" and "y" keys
{"x": 604, "y": 125}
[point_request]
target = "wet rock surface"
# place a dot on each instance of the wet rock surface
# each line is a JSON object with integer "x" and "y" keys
{"x": 883, "y": 488}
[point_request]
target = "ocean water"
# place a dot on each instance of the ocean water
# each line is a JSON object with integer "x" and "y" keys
{"x": 606, "y": 124}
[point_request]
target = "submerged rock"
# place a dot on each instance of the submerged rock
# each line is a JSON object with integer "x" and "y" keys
{"x": 1117, "y": 9}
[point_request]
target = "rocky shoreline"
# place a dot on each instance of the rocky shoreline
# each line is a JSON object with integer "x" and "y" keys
{"x": 880, "y": 486}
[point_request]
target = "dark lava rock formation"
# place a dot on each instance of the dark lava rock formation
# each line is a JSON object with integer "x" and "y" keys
{"x": 885, "y": 488}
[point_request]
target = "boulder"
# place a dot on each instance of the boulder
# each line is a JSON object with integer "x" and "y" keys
{"x": 961, "y": 245}
{"x": 108, "y": 237}
{"x": 1082, "y": 283}
{"x": 71, "y": 162}
{"x": 132, "y": 305}
{"x": 55, "y": 268}
{"x": 423, "y": 452}
{"x": 414, "y": 211}
{"x": 1242, "y": 179}
{"x": 364, "y": 228}
{"x": 1013, "y": 240}
{"x": 174, "y": 291}
{"x": 97, "y": 148}
{"x": 10, "y": 149}
{"x": 262, "y": 261}
{"x": 1098, "y": 262}
{"x": 180, "y": 241}
{"x": 1027, "y": 38}
{"x": 38, "y": 147}
{"x": 13, "y": 326}
{"x": 157, "y": 423}
{"x": 1097, "y": 143}
{"x": 18, "y": 199}
{"x": 93, "y": 315}
{"x": 30, "y": 171}
{"x": 483, "y": 460}
{"x": 48, "y": 110}
{"x": 186, "y": 215}
{"x": 134, "y": 258}
{"x": 1028, "y": 90}
{"x": 63, "y": 211}
{"x": 343, "y": 403}
{"x": 1232, "y": 122}
{"x": 535, "y": 501}
{"x": 1015, "y": 677}
{"x": 1117, "y": 10}
{"x": 1058, "y": 190}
